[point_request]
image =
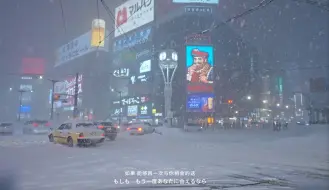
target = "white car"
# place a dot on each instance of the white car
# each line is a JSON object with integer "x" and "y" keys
{"x": 192, "y": 127}
{"x": 140, "y": 128}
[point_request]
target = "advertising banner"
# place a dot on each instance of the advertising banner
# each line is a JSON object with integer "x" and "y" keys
{"x": 78, "y": 47}
{"x": 98, "y": 33}
{"x": 197, "y": 1}
{"x": 199, "y": 78}
{"x": 67, "y": 87}
{"x": 201, "y": 102}
{"x": 138, "y": 37}
{"x": 132, "y": 15}
{"x": 199, "y": 63}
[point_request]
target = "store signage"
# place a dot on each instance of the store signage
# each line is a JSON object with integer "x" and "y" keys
{"x": 76, "y": 48}
{"x": 132, "y": 111}
{"x": 197, "y": 1}
{"x": 200, "y": 102}
{"x": 26, "y": 87}
{"x": 143, "y": 53}
{"x": 26, "y": 78}
{"x": 122, "y": 72}
{"x": 143, "y": 110}
{"x": 197, "y": 9}
{"x": 138, "y": 79}
{"x": 68, "y": 87}
{"x": 132, "y": 15}
{"x": 158, "y": 114}
{"x": 145, "y": 66}
{"x": 133, "y": 100}
{"x": 139, "y": 37}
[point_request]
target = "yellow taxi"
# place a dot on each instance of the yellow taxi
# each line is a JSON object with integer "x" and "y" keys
{"x": 74, "y": 132}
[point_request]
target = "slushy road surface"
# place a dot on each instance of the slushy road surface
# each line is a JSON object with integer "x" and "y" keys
{"x": 296, "y": 158}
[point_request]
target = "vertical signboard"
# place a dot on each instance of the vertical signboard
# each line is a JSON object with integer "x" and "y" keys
{"x": 199, "y": 78}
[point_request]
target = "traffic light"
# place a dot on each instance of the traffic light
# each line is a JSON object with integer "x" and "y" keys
{"x": 230, "y": 101}
{"x": 56, "y": 97}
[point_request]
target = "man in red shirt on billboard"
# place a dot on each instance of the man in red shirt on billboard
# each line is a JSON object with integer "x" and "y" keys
{"x": 200, "y": 71}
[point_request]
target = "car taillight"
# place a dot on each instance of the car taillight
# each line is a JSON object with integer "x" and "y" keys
{"x": 47, "y": 124}
{"x": 128, "y": 128}
{"x": 35, "y": 125}
{"x": 101, "y": 127}
{"x": 103, "y": 134}
{"x": 81, "y": 135}
{"x": 139, "y": 129}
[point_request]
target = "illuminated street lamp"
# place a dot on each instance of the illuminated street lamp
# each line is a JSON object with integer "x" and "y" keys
{"x": 265, "y": 101}
{"x": 287, "y": 106}
{"x": 278, "y": 105}
{"x": 168, "y": 61}
{"x": 10, "y": 89}
{"x": 40, "y": 77}
{"x": 248, "y": 97}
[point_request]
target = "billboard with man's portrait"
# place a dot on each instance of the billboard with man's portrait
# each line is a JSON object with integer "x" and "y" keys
{"x": 200, "y": 78}
{"x": 199, "y": 68}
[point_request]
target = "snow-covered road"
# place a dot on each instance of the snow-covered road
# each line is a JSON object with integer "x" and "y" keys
{"x": 298, "y": 156}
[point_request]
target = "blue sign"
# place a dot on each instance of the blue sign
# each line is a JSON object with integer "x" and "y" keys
{"x": 78, "y": 47}
{"x": 202, "y": 102}
{"x": 197, "y": 1}
{"x": 131, "y": 40}
{"x": 25, "y": 109}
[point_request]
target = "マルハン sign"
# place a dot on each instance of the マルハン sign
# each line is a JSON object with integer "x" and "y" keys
{"x": 132, "y": 15}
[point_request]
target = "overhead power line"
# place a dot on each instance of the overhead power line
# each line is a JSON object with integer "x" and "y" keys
{"x": 109, "y": 12}
{"x": 63, "y": 17}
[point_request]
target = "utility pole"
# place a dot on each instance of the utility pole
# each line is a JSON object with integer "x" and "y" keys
{"x": 76, "y": 94}
{"x": 20, "y": 103}
{"x": 52, "y": 97}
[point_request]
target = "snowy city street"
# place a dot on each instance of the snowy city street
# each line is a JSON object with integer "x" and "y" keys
{"x": 289, "y": 158}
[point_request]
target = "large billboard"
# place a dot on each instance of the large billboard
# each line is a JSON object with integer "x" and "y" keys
{"x": 80, "y": 46}
{"x": 67, "y": 90}
{"x": 33, "y": 66}
{"x": 197, "y": 1}
{"x": 132, "y": 15}
{"x": 199, "y": 78}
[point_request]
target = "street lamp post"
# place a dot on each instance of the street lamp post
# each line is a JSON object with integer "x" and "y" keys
{"x": 168, "y": 61}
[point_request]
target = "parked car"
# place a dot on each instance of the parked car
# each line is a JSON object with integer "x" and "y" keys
{"x": 192, "y": 127}
{"x": 36, "y": 127}
{"x": 140, "y": 128}
{"x": 110, "y": 129}
{"x": 6, "y": 128}
{"x": 75, "y": 132}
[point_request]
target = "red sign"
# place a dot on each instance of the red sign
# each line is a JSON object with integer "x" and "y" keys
{"x": 70, "y": 89}
{"x": 33, "y": 66}
{"x": 199, "y": 88}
